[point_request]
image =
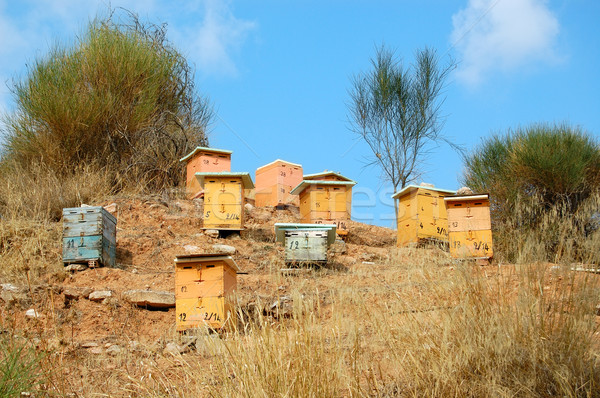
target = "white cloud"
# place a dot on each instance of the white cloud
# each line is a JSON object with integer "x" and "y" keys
{"x": 502, "y": 35}
{"x": 212, "y": 43}
{"x": 206, "y": 31}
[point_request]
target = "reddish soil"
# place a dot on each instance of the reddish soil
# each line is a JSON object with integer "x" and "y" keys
{"x": 150, "y": 233}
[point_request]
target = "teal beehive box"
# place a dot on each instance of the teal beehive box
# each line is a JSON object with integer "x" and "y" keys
{"x": 89, "y": 236}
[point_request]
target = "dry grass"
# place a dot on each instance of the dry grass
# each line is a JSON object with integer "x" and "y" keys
{"x": 424, "y": 331}
{"x": 414, "y": 323}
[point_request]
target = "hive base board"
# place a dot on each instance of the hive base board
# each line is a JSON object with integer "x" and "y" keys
{"x": 91, "y": 263}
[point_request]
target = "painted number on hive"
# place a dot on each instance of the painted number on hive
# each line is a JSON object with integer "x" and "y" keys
{"x": 182, "y": 317}
{"x": 442, "y": 231}
{"x": 481, "y": 245}
{"x": 71, "y": 243}
{"x": 294, "y": 245}
{"x": 213, "y": 316}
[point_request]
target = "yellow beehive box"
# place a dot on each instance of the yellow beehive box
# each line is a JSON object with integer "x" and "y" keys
{"x": 203, "y": 284}
{"x": 326, "y": 201}
{"x": 274, "y": 181}
{"x": 224, "y": 199}
{"x": 469, "y": 226}
{"x": 422, "y": 214}
{"x": 204, "y": 160}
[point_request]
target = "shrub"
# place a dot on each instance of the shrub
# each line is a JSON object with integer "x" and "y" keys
{"x": 536, "y": 176}
{"x": 121, "y": 98}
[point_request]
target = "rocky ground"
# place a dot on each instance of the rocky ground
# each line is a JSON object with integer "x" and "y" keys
{"x": 99, "y": 308}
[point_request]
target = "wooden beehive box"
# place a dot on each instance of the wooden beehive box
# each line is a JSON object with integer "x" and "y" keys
{"x": 305, "y": 243}
{"x": 224, "y": 199}
{"x": 422, "y": 214}
{"x": 274, "y": 182}
{"x": 204, "y": 160}
{"x": 326, "y": 201}
{"x": 203, "y": 285}
{"x": 89, "y": 236}
{"x": 469, "y": 226}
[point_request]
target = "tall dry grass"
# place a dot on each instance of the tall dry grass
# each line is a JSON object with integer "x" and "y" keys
{"x": 424, "y": 331}
{"x": 536, "y": 232}
{"x": 31, "y": 201}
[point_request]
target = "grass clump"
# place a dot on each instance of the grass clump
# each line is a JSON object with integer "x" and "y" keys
{"x": 299, "y": 359}
{"x": 20, "y": 367}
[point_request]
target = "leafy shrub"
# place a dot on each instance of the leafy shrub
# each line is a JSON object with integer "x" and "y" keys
{"x": 121, "y": 98}
{"x": 539, "y": 178}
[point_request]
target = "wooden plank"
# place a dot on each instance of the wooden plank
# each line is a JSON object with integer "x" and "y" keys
{"x": 82, "y": 229}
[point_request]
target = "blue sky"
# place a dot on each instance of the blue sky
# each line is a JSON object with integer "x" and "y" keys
{"x": 278, "y": 72}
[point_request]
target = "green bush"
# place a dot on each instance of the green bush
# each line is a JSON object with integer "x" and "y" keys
{"x": 539, "y": 178}
{"x": 121, "y": 98}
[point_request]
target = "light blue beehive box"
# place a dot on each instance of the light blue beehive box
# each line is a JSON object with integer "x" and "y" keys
{"x": 89, "y": 236}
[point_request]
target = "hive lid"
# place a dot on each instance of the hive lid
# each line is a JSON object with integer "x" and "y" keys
{"x": 246, "y": 179}
{"x": 82, "y": 209}
{"x": 205, "y": 149}
{"x": 459, "y": 198}
{"x": 305, "y": 183}
{"x": 409, "y": 188}
{"x": 281, "y": 228}
{"x": 206, "y": 257}
{"x": 278, "y": 161}
{"x": 318, "y": 176}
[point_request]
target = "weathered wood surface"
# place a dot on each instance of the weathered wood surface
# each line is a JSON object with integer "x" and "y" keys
{"x": 89, "y": 233}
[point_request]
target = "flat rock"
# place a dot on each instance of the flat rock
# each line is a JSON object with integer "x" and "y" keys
{"x": 282, "y": 308}
{"x": 339, "y": 247}
{"x": 111, "y": 208}
{"x": 464, "y": 191}
{"x": 213, "y": 233}
{"x": 100, "y": 295}
{"x": 176, "y": 349}
{"x": 248, "y": 207}
{"x": 223, "y": 249}
{"x": 9, "y": 287}
{"x": 32, "y": 313}
{"x": 191, "y": 249}
{"x": 15, "y": 298}
{"x": 150, "y": 298}
{"x": 76, "y": 267}
{"x": 234, "y": 236}
{"x": 75, "y": 293}
{"x": 114, "y": 350}
{"x": 173, "y": 349}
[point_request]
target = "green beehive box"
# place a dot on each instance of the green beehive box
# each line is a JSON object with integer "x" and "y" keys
{"x": 89, "y": 236}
